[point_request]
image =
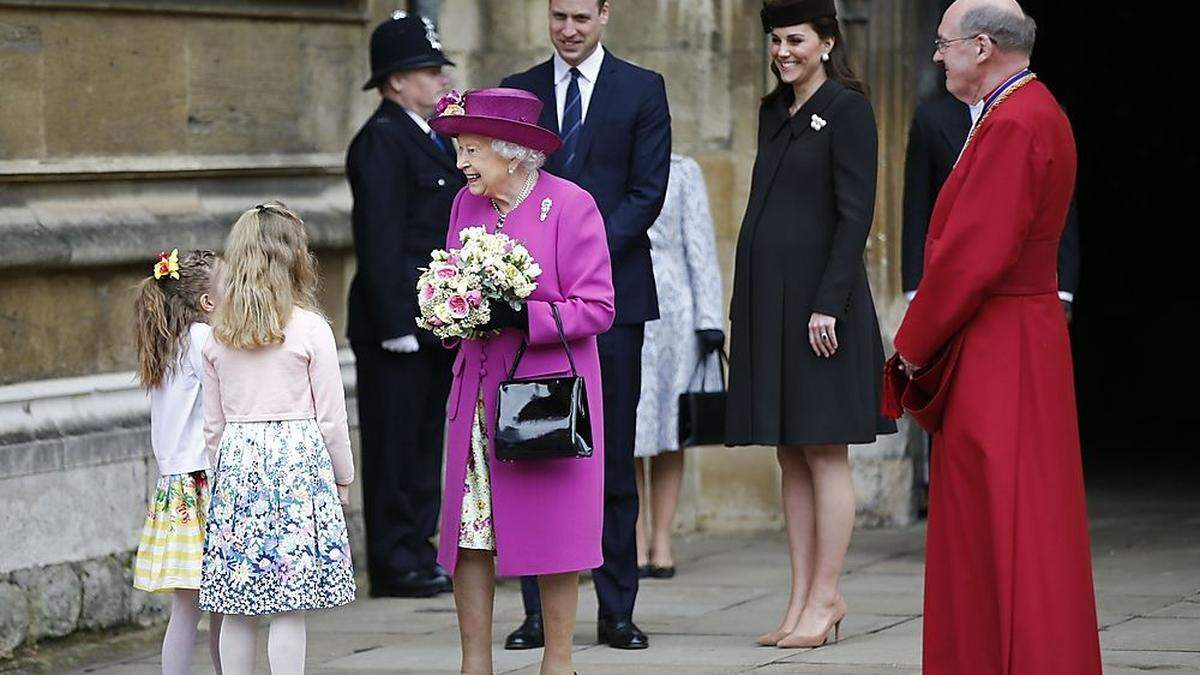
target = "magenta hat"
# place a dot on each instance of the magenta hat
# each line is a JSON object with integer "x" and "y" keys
{"x": 507, "y": 114}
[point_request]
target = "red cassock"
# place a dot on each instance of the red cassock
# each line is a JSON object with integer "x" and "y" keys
{"x": 1008, "y": 580}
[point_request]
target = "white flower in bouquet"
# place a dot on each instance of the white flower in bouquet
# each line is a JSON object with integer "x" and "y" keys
{"x": 452, "y": 293}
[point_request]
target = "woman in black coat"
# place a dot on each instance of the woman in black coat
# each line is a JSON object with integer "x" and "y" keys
{"x": 806, "y": 354}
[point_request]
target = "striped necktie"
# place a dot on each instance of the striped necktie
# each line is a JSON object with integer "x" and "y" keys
{"x": 572, "y": 119}
{"x": 437, "y": 140}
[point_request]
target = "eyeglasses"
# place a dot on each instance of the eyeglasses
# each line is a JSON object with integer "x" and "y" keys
{"x": 939, "y": 45}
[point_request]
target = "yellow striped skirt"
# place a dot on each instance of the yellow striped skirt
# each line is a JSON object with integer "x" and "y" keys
{"x": 172, "y": 544}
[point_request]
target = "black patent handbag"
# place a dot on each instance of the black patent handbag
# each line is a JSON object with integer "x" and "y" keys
{"x": 702, "y": 413}
{"x": 543, "y": 417}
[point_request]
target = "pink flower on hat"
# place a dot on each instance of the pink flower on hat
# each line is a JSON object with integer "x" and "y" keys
{"x": 451, "y": 104}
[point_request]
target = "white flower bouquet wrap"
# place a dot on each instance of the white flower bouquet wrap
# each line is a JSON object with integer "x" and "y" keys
{"x": 453, "y": 292}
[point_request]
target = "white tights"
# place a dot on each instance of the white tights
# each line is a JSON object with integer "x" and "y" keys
{"x": 286, "y": 644}
{"x": 180, "y": 640}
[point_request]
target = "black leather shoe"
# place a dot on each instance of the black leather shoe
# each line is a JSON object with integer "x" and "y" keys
{"x": 657, "y": 572}
{"x": 644, "y": 571}
{"x": 620, "y": 633}
{"x": 528, "y": 635}
{"x": 424, "y": 583}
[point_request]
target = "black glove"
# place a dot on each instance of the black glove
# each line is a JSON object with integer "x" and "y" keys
{"x": 710, "y": 340}
{"x": 504, "y": 316}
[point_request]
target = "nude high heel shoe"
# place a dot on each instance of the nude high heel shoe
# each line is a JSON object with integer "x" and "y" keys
{"x": 797, "y": 641}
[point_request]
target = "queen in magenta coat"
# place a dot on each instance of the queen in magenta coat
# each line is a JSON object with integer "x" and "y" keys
{"x": 537, "y": 517}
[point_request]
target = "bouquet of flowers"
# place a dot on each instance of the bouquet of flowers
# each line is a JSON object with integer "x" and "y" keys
{"x": 452, "y": 293}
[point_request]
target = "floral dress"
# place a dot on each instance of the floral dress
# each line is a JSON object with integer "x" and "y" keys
{"x": 172, "y": 544}
{"x": 277, "y": 538}
{"x": 475, "y": 527}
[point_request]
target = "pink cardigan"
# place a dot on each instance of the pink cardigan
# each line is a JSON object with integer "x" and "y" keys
{"x": 297, "y": 380}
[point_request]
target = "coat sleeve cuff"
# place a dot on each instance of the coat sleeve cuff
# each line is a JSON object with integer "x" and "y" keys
{"x": 542, "y": 329}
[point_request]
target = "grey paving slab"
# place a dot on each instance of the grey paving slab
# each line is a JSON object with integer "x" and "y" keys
{"x": 1153, "y": 634}
{"x": 1187, "y": 609}
{"x": 1148, "y": 661}
{"x": 731, "y": 588}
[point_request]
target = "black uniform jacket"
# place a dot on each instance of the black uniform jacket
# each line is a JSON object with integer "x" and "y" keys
{"x": 939, "y": 130}
{"x": 403, "y": 185}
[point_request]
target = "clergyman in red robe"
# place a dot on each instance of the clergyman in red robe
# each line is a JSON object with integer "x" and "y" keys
{"x": 1008, "y": 580}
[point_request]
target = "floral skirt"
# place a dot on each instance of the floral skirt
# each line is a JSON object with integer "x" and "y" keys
{"x": 172, "y": 545}
{"x": 276, "y": 533}
{"x": 475, "y": 525}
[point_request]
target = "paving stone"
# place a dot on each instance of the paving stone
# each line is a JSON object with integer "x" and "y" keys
{"x": 1153, "y": 634}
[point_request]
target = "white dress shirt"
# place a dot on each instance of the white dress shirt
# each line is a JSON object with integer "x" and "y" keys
{"x": 421, "y": 122}
{"x": 589, "y": 70}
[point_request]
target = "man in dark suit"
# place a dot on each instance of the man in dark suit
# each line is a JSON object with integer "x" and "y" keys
{"x": 403, "y": 178}
{"x": 616, "y": 130}
{"x": 939, "y": 131}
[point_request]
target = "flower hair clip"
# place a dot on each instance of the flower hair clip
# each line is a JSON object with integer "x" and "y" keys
{"x": 167, "y": 265}
{"x": 452, "y": 103}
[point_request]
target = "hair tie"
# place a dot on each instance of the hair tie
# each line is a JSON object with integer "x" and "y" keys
{"x": 167, "y": 265}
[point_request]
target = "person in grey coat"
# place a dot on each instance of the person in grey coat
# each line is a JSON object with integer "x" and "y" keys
{"x": 688, "y": 277}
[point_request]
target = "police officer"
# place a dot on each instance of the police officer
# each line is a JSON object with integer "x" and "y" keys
{"x": 403, "y": 179}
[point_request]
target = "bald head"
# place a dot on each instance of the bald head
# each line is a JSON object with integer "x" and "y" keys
{"x": 1001, "y": 20}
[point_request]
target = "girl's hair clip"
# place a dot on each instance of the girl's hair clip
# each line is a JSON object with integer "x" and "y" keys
{"x": 167, "y": 265}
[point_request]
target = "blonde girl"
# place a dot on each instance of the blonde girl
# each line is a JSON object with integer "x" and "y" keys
{"x": 275, "y": 420}
{"x": 172, "y": 308}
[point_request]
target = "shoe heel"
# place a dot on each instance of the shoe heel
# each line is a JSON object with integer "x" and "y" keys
{"x": 837, "y": 628}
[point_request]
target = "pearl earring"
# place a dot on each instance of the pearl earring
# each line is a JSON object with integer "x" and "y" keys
{"x": 510, "y": 170}
{"x": 825, "y": 56}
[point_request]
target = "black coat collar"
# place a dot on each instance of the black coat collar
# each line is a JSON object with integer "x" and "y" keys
{"x": 778, "y": 117}
{"x": 399, "y": 116}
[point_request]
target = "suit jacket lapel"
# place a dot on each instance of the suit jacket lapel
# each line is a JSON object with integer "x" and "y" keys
{"x": 603, "y": 96}
{"x": 419, "y": 137}
{"x": 543, "y": 88}
{"x": 956, "y": 132}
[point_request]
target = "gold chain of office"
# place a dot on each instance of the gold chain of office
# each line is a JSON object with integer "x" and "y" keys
{"x": 1007, "y": 92}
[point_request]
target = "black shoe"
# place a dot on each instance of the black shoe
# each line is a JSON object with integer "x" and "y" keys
{"x": 644, "y": 571}
{"x": 528, "y": 635}
{"x": 620, "y": 633}
{"x": 424, "y": 583}
{"x": 657, "y": 572}
{"x": 445, "y": 583}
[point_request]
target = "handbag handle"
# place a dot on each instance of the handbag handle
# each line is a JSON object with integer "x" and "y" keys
{"x": 722, "y": 364}
{"x": 512, "y": 372}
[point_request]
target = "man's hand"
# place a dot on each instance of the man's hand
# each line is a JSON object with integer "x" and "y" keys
{"x": 402, "y": 345}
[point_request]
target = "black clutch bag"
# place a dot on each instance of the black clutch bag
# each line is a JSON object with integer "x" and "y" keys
{"x": 702, "y": 413}
{"x": 544, "y": 417}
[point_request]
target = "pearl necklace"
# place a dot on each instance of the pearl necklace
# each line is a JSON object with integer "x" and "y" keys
{"x": 530, "y": 180}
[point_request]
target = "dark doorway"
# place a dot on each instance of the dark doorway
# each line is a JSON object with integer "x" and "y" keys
{"x": 1124, "y": 85}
